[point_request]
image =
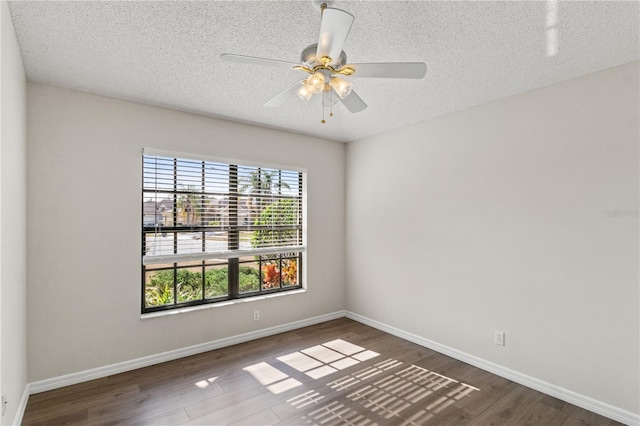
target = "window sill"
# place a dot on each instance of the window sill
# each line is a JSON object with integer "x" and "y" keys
{"x": 220, "y": 304}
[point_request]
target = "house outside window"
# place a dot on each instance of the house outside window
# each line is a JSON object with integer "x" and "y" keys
{"x": 214, "y": 231}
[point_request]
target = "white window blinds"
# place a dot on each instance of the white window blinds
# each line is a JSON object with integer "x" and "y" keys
{"x": 195, "y": 209}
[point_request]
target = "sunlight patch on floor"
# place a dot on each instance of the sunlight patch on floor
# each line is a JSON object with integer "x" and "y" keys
{"x": 392, "y": 394}
{"x": 316, "y": 362}
{"x": 343, "y": 347}
{"x": 319, "y": 372}
{"x": 265, "y": 373}
{"x": 301, "y": 401}
{"x": 202, "y": 384}
{"x": 383, "y": 391}
{"x": 299, "y": 361}
{"x": 284, "y": 386}
{"x": 322, "y": 354}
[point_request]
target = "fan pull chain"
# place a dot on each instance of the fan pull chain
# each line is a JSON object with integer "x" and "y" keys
{"x": 323, "y": 121}
{"x": 331, "y": 104}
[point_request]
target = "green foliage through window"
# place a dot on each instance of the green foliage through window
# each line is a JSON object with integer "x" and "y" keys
{"x": 159, "y": 291}
{"x": 283, "y": 212}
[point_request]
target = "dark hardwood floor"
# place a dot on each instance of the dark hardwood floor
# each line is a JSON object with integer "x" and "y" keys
{"x": 336, "y": 373}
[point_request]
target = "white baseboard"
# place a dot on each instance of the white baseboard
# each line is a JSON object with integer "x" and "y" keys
{"x": 121, "y": 367}
{"x": 22, "y": 405}
{"x": 566, "y": 395}
{"x": 571, "y": 397}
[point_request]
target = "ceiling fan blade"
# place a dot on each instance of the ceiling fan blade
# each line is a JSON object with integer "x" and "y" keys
{"x": 334, "y": 28}
{"x": 252, "y": 60}
{"x": 353, "y": 102}
{"x": 390, "y": 70}
{"x": 282, "y": 97}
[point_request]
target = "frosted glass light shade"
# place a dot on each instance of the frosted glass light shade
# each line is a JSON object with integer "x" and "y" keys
{"x": 316, "y": 83}
{"x": 342, "y": 87}
{"x": 304, "y": 92}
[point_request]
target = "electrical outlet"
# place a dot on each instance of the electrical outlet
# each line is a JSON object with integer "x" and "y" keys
{"x": 498, "y": 337}
{"x": 256, "y": 315}
{"x": 4, "y": 403}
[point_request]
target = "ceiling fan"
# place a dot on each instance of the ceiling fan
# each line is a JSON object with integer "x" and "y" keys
{"x": 326, "y": 64}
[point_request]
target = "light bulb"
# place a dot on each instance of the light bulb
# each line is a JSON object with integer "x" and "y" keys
{"x": 342, "y": 87}
{"x": 316, "y": 83}
{"x": 304, "y": 93}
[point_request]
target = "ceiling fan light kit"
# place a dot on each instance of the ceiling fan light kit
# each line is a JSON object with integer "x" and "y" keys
{"x": 304, "y": 92}
{"x": 316, "y": 83}
{"x": 342, "y": 87}
{"x": 326, "y": 63}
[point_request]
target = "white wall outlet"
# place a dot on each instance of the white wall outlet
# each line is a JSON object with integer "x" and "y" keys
{"x": 4, "y": 403}
{"x": 256, "y": 315}
{"x": 498, "y": 337}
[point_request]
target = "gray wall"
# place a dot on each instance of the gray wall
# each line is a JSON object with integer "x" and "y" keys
{"x": 519, "y": 215}
{"x": 84, "y": 181}
{"x": 13, "y": 219}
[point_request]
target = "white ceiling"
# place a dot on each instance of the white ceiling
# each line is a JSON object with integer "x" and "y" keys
{"x": 168, "y": 54}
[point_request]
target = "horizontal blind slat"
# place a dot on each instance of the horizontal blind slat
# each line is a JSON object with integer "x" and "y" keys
{"x": 225, "y": 254}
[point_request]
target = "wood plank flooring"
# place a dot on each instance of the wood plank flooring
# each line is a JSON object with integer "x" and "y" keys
{"x": 337, "y": 373}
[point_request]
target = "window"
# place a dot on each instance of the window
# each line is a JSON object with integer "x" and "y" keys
{"x": 215, "y": 231}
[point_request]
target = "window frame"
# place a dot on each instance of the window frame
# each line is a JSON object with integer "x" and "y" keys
{"x": 234, "y": 255}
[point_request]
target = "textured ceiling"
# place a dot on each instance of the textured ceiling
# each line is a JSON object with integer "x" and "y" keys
{"x": 168, "y": 54}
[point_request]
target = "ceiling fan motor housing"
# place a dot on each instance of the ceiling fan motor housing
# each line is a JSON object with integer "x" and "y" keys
{"x": 309, "y": 58}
